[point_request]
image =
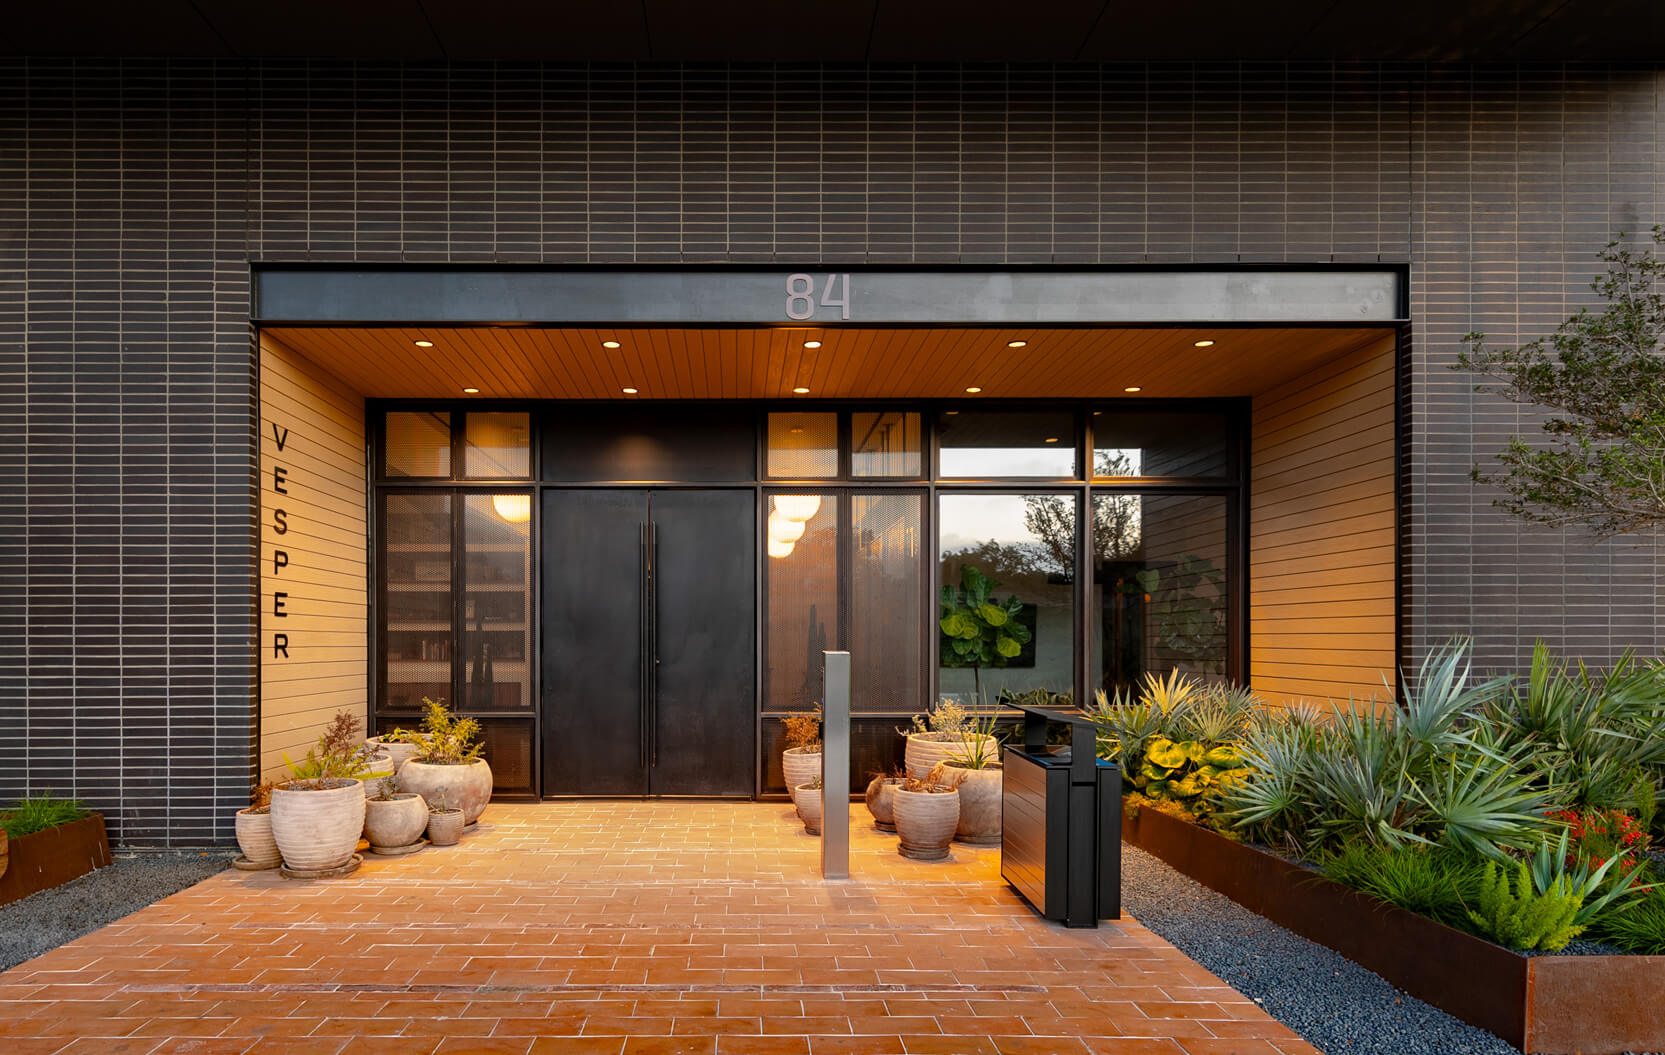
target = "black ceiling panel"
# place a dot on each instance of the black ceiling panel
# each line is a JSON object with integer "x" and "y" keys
{"x": 143, "y": 27}
{"x": 364, "y": 29}
{"x": 982, "y": 30}
{"x": 538, "y": 29}
{"x": 1427, "y": 30}
{"x": 1623, "y": 30}
{"x": 759, "y": 30}
{"x": 1158, "y": 32}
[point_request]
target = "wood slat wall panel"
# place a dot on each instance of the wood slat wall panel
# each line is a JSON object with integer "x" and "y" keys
{"x": 325, "y": 670}
{"x": 1321, "y": 531}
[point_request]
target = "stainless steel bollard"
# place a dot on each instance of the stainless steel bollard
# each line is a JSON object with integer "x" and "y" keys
{"x": 835, "y": 766}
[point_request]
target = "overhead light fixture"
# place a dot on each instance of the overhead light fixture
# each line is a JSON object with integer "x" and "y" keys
{"x": 423, "y": 344}
{"x": 801, "y": 390}
{"x": 780, "y": 549}
{"x": 1134, "y": 388}
{"x": 630, "y": 391}
{"x": 949, "y": 413}
{"x": 1052, "y": 439}
{"x": 784, "y": 530}
{"x": 1203, "y": 344}
{"x": 609, "y": 344}
{"x": 516, "y": 509}
{"x": 974, "y": 390}
{"x": 471, "y": 391}
{"x": 812, "y": 344}
{"x": 1017, "y": 344}
{"x": 797, "y": 508}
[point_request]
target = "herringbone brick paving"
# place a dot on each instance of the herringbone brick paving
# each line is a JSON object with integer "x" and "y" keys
{"x": 626, "y": 929}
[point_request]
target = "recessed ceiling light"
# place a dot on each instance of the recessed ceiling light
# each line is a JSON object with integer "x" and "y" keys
{"x": 974, "y": 390}
{"x": 471, "y": 391}
{"x": 800, "y": 390}
{"x": 950, "y": 413}
{"x": 609, "y": 344}
{"x": 630, "y": 391}
{"x": 812, "y": 344}
{"x": 1052, "y": 439}
{"x": 424, "y": 344}
{"x": 1133, "y": 388}
{"x": 1203, "y": 344}
{"x": 1016, "y": 344}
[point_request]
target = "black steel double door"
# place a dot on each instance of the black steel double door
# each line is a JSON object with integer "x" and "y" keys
{"x": 648, "y": 642}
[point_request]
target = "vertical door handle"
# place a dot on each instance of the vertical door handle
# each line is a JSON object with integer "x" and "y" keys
{"x": 642, "y": 602}
{"x": 653, "y": 642}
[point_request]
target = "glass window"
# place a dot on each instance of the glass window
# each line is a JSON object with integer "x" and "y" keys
{"x": 800, "y": 597}
{"x": 416, "y": 556}
{"x": 886, "y": 602}
{"x": 418, "y": 443}
{"x": 803, "y": 445}
{"x": 885, "y": 443}
{"x": 1140, "y": 444}
{"x": 1160, "y": 595}
{"x": 983, "y": 444}
{"x": 1006, "y": 615}
{"x": 497, "y": 629}
{"x": 497, "y": 446}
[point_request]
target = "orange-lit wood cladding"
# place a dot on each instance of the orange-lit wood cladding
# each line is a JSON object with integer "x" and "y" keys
{"x": 851, "y": 363}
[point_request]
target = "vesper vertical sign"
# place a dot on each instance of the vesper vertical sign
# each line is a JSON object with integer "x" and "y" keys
{"x": 280, "y": 554}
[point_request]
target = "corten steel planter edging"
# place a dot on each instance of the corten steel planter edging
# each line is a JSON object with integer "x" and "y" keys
{"x": 53, "y": 857}
{"x": 1556, "y": 1005}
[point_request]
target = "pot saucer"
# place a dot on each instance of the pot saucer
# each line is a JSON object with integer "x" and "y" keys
{"x": 243, "y": 864}
{"x": 324, "y": 873}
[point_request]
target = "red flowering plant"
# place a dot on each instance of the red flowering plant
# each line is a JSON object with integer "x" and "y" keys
{"x": 1599, "y": 835}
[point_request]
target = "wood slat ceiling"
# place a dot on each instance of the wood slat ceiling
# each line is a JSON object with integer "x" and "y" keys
{"x": 851, "y": 363}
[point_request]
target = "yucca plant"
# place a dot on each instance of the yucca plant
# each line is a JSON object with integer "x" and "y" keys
{"x": 1554, "y": 868}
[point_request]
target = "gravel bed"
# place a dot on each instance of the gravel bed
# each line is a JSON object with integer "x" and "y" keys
{"x": 44, "y": 921}
{"x": 1338, "y": 1006}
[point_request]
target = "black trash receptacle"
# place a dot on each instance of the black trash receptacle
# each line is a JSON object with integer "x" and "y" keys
{"x": 1061, "y": 822}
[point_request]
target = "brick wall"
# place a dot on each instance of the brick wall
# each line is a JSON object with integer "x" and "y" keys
{"x": 132, "y": 197}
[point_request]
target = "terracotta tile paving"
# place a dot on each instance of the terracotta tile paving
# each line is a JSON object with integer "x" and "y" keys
{"x": 626, "y": 929}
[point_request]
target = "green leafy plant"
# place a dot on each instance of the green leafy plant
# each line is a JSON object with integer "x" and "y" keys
{"x": 1555, "y": 867}
{"x": 387, "y": 788}
{"x": 1434, "y": 882}
{"x": 1640, "y": 929}
{"x": 37, "y": 813}
{"x": 445, "y": 739}
{"x": 339, "y": 754}
{"x": 802, "y": 729}
{"x": 977, "y": 630}
{"x": 1176, "y": 742}
{"x": 979, "y": 740}
{"x": 947, "y": 720}
{"x": 1512, "y": 912}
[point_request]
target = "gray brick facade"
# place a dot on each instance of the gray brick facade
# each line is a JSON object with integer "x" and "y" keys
{"x": 134, "y": 195}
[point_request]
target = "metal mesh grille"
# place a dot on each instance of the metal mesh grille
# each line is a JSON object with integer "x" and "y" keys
{"x": 418, "y": 443}
{"x": 886, "y": 573}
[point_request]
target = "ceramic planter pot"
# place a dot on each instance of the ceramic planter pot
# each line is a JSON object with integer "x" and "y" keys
{"x": 881, "y": 802}
{"x": 374, "y": 771}
{"x": 466, "y": 787}
{"x": 925, "y": 750}
{"x": 397, "y": 750}
{"x": 395, "y": 822}
{"x": 808, "y": 797}
{"x": 445, "y": 827}
{"x": 980, "y": 792}
{"x": 925, "y": 821}
{"x": 254, "y": 837}
{"x": 801, "y": 766}
{"x": 316, "y": 823}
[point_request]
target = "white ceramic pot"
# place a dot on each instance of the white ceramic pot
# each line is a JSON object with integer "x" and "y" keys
{"x": 466, "y": 787}
{"x": 254, "y": 838}
{"x": 444, "y": 829}
{"x": 394, "y": 822}
{"x": 397, "y": 750}
{"x": 801, "y": 766}
{"x": 980, "y": 791}
{"x": 316, "y": 823}
{"x": 881, "y": 802}
{"x": 925, "y": 750}
{"x": 374, "y": 771}
{"x": 925, "y": 821}
{"x": 809, "y": 807}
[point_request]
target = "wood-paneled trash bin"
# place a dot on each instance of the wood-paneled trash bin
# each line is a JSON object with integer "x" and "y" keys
{"x": 1061, "y": 822}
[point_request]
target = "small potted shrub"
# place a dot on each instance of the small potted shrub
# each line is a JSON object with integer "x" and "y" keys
{"x": 397, "y": 745}
{"x": 448, "y": 756}
{"x": 927, "y": 812}
{"x": 801, "y": 761}
{"x": 808, "y": 797}
{"x": 254, "y": 832}
{"x": 938, "y": 736}
{"x": 981, "y": 782}
{"x": 394, "y": 820}
{"x": 881, "y": 799}
{"x": 445, "y": 823}
{"x": 318, "y": 814}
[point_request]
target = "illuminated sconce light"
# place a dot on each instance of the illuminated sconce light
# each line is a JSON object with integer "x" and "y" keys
{"x": 784, "y": 530}
{"x": 780, "y": 549}
{"x": 797, "y": 508}
{"x": 516, "y": 509}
